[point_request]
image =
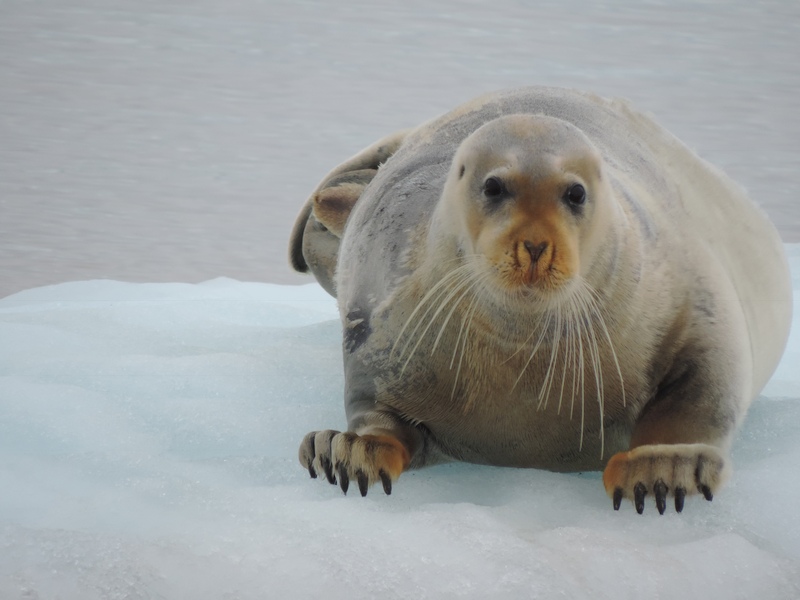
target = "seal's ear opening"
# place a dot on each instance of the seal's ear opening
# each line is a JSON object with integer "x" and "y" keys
{"x": 314, "y": 244}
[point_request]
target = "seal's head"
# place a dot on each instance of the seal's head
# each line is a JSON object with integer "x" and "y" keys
{"x": 529, "y": 190}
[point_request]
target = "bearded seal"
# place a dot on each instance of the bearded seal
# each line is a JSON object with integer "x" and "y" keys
{"x": 544, "y": 278}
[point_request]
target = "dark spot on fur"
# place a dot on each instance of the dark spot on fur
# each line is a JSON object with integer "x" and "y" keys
{"x": 704, "y": 303}
{"x": 461, "y": 172}
{"x": 336, "y": 200}
{"x": 641, "y": 214}
{"x": 678, "y": 379}
{"x": 357, "y": 329}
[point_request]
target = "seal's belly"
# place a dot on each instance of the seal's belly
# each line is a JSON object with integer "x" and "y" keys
{"x": 537, "y": 440}
{"x": 499, "y": 424}
{"x": 530, "y": 395}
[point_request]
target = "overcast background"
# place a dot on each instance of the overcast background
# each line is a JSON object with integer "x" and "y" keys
{"x": 175, "y": 140}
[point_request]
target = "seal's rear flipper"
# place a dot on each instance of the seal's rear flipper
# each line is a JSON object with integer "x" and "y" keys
{"x": 314, "y": 244}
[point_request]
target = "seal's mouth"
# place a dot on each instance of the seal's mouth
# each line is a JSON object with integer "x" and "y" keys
{"x": 537, "y": 265}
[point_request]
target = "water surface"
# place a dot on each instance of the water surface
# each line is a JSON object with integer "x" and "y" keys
{"x": 148, "y": 140}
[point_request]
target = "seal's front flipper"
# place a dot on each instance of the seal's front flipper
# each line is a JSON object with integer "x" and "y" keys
{"x": 314, "y": 244}
{"x": 665, "y": 470}
{"x": 366, "y": 459}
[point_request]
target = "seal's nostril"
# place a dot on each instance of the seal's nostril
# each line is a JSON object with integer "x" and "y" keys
{"x": 535, "y": 250}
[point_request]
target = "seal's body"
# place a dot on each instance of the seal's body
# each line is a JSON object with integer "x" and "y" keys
{"x": 544, "y": 278}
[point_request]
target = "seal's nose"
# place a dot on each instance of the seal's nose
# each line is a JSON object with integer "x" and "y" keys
{"x": 535, "y": 250}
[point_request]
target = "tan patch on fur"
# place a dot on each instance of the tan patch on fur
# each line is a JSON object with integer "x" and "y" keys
{"x": 332, "y": 205}
{"x": 616, "y": 472}
{"x": 537, "y": 224}
{"x": 371, "y": 453}
{"x": 677, "y": 465}
{"x": 389, "y": 454}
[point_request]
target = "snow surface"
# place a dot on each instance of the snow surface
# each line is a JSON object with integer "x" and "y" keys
{"x": 148, "y": 442}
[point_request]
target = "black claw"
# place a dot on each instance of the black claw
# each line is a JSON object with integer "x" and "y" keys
{"x": 363, "y": 482}
{"x": 660, "y": 490}
{"x": 310, "y": 451}
{"x": 639, "y": 492}
{"x": 680, "y": 496}
{"x": 326, "y": 466}
{"x": 617, "y": 498}
{"x": 387, "y": 482}
{"x": 706, "y": 491}
{"x": 344, "y": 480}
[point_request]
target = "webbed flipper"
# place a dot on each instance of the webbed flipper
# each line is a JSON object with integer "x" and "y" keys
{"x": 314, "y": 244}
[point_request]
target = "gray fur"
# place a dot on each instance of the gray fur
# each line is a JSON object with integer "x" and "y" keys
{"x": 697, "y": 309}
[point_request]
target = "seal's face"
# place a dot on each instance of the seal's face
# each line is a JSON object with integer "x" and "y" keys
{"x": 527, "y": 187}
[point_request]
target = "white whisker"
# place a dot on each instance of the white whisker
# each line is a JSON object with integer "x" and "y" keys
{"x": 469, "y": 288}
{"x": 582, "y": 371}
{"x": 468, "y": 317}
{"x": 574, "y": 331}
{"x": 535, "y": 348}
{"x": 596, "y": 304}
{"x": 464, "y": 280}
{"x": 428, "y": 296}
{"x": 583, "y": 303}
{"x": 550, "y": 375}
{"x": 566, "y": 358}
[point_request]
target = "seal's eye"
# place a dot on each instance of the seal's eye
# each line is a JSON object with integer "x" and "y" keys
{"x": 493, "y": 188}
{"x": 576, "y": 195}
